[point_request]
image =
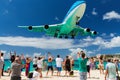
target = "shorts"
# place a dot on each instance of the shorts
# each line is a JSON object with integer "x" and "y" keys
{"x": 50, "y": 67}
{"x": 88, "y": 68}
{"x": 59, "y": 69}
{"x": 15, "y": 78}
{"x": 67, "y": 68}
{"x": 83, "y": 75}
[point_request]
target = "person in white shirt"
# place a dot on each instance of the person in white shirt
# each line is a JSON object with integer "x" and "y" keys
{"x": 40, "y": 65}
{"x": 36, "y": 75}
{"x": 59, "y": 64}
{"x": 35, "y": 62}
{"x": 111, "y": 70}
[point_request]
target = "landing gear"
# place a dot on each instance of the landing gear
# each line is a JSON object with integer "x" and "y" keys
{"x": 60, "y": 36}
{"x": 66, "y": 37}
{"x": 72, "y": 37}
{"x": 77, "y": 23}
{"x": 56, "y": 34}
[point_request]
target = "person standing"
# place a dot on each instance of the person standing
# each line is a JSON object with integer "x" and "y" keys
{"x": 88, "y": 67}
{"x": 27, "y": 66}
{"x": 101, "y": 65}
{"x": 16, "y": 70}
{"x": 67, "y": 66}
{"x": 1, "y": 65}
{"x": 59, "y": 64}
{"x": 50, "y": 66}
{"x": 111, "y": 69}
{"x": 82, "y": 65}
{"x": 2, "y": 58}
{"x": 40, "y": 65}
{"x": 35, "y": 62}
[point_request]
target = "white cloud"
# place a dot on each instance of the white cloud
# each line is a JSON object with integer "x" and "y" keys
{"x": 112, "y": 34}
{"x": 36, "y": 54}
{"x": 6, "y": 54}
{"x": 43, "y": 43}
{"x": 111, "y": 15}
{"x": 53, "y": 43}
{"x": 74, "y": 52}
{"x": 94, "y": 12}
{"x": 3, "y": 51}
{"x": 98, "y": 41}
{"x": 88, "y": 39}
{"x": 115, "y": 42}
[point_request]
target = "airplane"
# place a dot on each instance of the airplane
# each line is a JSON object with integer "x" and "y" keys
{"x": 70, "y": 25}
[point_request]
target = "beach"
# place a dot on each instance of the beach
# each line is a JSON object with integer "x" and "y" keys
{"x": 95, "y": 75}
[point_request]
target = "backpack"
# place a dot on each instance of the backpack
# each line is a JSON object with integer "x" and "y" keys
{"x": 30, "y": 75}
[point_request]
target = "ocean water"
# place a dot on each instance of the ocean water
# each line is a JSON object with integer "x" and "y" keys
{"x": 76, "y": 64}
{"x": 7, "y": 63}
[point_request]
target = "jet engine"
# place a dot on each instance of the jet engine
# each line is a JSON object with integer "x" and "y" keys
{"x": 93, "y": 33}
{"x": 87, "y": 30}
{"x": 30, "y": 28}
{"x": 46, "y": 26}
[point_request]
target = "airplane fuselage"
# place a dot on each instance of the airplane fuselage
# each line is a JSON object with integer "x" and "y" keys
{"x": 73, "y": 16}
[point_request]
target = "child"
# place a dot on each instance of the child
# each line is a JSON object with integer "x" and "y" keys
{"x": 35, "y": 75}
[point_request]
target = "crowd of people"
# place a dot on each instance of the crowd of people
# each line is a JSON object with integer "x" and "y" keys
{"x": 19, "y": 62}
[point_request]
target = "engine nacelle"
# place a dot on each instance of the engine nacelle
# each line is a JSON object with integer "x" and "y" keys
{"x": 30, "y": 28}
{"x": 93, "y": 33}
{"x": 87, "y": 30}
{"x": 46, "y": 26}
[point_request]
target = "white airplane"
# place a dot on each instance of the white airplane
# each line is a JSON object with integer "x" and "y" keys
{"x": 70, "y": 25}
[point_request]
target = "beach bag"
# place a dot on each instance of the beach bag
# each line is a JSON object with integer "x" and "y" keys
{"x": 30, "y": 75}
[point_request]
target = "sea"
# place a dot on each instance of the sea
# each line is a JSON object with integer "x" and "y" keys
{"x": 75, "y": 67}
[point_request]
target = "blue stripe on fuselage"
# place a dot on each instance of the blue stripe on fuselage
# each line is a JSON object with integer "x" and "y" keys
{"x": 77, "y": 3}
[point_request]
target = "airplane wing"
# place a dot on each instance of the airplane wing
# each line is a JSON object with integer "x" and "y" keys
{"x": 49, "y": 29}
{"x": 82, "y": 31}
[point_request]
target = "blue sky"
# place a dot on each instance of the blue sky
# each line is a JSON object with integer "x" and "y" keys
{"x": 102, "y": 16}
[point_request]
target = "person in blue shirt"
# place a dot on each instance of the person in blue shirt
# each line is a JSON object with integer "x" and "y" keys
{"x": 50, "y": 66}
{"x": 82, "y": 65}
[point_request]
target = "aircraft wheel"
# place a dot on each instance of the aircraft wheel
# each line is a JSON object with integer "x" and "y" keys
{"x": 77, "y": 23}
{"x": 60, "y": 36}
{"x": 56, "y": 34}
{"x": 73, "y": 37}
{"x": 66, "y": 37}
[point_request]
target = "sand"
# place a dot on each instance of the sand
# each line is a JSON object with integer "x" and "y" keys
{"x": 95, "y": 75}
